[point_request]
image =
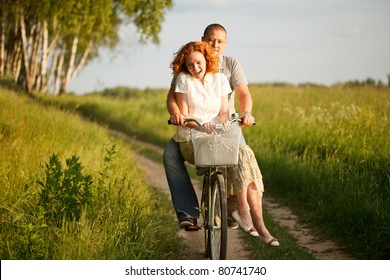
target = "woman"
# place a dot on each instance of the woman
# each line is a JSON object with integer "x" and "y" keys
{"x": 202, "y": 93}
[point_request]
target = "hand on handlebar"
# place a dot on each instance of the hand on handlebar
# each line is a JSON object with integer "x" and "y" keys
{"x": 177, "y": 119}
{"x": 210, "y": 127}
{"x": 247, "y": 120}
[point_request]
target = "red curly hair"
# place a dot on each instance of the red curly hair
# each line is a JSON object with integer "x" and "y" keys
{"x": 179, "y": 64}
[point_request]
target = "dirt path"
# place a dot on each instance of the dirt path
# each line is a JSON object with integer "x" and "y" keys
{"x": 320, "y": 248}
{"x": 195, "y": 240}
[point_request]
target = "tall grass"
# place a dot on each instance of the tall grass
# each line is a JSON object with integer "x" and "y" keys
{"x": 324, "y": 151}
{"x": 140, "y": 113}
{"x": 327, "y": 152}
{"x": 69, "y": 190}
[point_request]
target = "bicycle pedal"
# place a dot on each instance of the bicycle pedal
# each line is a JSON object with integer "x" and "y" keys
{"x": 192, "y": 228}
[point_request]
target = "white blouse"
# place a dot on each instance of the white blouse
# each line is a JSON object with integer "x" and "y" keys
{"x": 204, "y": 100}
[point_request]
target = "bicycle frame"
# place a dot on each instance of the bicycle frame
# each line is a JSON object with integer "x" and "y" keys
{"x": 214, "y": 203}
{"x": 214, "y": 208}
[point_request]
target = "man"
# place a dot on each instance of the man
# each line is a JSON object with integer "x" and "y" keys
{"x": 182, "y": 192}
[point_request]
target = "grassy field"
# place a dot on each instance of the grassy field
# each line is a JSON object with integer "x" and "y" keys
{"x": 70, "y": 190}
{"x": 327, "y": 152}
{"x": 323, "y": 151}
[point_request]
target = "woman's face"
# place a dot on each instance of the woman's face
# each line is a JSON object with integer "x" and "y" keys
{"x": 196, "y": 65}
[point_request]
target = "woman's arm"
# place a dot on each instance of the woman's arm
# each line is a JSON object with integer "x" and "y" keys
{"x": 176, "y": 117}
{"x": 182, "y": 103}
{"x": 171, "y": 102}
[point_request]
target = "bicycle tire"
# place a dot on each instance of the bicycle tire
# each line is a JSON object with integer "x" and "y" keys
{"x": 218, "y": 229}
{"x": 205, "y": 206}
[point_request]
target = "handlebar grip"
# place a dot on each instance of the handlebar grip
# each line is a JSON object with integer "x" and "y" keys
{"x": 240, "y": 120}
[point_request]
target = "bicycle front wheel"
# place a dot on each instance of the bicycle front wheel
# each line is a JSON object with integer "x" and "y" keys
{"x": 218, "y": 218}
{"x": 205, "y": 206}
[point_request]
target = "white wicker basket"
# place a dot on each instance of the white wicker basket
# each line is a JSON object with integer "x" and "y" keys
{"x": 216, "y": 149}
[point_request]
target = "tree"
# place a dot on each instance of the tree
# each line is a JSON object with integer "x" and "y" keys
{"x": 44, "y": 44}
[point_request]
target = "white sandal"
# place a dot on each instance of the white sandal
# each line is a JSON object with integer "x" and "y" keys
{"x": 271, "y": 241}
{"x": 250, "y": 230}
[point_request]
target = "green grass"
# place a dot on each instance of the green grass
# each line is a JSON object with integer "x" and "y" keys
{"x": 323, "y": 151}
{"x": 70, "y": 190}
{"x": 326, "y": 152}
{"x": 288, "y": 250}
{"x": 142, "y": 114}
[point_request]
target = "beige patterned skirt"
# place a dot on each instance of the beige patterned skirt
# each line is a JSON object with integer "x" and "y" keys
{"x": 240, "y": 176}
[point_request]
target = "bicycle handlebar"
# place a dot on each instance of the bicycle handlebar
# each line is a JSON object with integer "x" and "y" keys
{"x": 234, "y": 119}
{"x": 200, "y": 125}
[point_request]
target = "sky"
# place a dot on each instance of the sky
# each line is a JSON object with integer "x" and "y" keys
{"x": 292, "y": 41}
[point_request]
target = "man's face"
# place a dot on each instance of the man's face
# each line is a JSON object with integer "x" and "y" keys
{"x": 216, "y": 39}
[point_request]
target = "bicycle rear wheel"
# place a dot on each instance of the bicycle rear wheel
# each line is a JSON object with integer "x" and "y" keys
{"x": 218, "y": 229}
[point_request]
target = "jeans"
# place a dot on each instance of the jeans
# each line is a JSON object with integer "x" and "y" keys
{"x": 183, "y": 194}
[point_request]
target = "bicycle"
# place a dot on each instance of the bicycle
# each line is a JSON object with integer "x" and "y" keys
{"x": 213, "y": 154}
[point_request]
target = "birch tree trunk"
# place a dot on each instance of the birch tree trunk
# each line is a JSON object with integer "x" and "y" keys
{"x": 52, "y": 70}
{"x": 82, "y": 61}
{"x": 77, "y": 68}
{"x": 47, "y": 79}
{"x": 16, "y": 61}
{"x": 42, "y": 77}
{"x": 68, "y": 73}
{"x": 59, "y": 70}
{"x": 25, "y": 51}
{"x": 35, "y": 51}
{"x": 2, "y": 47}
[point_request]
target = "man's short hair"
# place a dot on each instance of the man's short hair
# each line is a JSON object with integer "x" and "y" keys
{"x": 212, "y": 27}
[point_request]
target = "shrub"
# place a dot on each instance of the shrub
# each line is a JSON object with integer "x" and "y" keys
{"x": 64, "y": 192}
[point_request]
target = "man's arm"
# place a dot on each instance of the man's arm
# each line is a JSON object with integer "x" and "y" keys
{"x": 245, "y": 100}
